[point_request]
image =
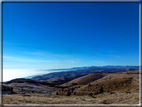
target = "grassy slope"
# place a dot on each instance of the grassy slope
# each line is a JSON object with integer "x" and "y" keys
{"x": 114, "y": 82}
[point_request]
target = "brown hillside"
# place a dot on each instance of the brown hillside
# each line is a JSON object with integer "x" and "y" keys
{"x": 114, "y": 82}
{"x": 133, "y": 72}
{"x": 86, "y": 79}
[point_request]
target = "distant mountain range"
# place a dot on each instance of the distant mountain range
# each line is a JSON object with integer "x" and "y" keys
{"x": 78, "y": 68}
{"x": 107, "y": 66}
{"x": 68, "y": 74}
{"x": 61, "y": 77}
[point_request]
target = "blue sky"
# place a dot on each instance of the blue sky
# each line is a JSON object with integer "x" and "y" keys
{"x": 64, "y": 35}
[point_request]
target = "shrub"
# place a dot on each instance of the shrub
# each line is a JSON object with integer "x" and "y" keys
{"x": 105, "y": 102}
{"x": 68, "y": 93}
{"x": 57, "y": 93}
{"x": 74, "y": 93}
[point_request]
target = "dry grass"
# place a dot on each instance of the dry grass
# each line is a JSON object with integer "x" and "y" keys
{"x": 121, "y": 98}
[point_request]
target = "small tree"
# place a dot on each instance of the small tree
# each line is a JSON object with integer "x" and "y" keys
{"x": 57, "y": 93}
{"x": 68, "y": 93}
{"x": 101, "y": 90}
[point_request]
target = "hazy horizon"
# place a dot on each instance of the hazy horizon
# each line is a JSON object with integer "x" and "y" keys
{"x": 22, "y": 73}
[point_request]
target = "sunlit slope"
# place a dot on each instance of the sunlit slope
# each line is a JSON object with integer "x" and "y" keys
{"x": 114, "y": 82}
{"x": 86, "y": 79}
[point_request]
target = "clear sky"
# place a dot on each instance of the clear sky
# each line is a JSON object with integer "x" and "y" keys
{"x": 64, "y": 35}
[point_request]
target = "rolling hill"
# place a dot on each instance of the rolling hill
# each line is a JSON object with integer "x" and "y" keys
{"x": 86, "y": 79}
{"x": 119, "y": 82}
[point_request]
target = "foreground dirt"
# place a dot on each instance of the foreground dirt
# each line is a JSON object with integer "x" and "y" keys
{"x": 104, "y": 98}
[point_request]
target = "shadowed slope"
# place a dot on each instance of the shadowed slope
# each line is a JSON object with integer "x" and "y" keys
{"x": 86, "y": 79}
